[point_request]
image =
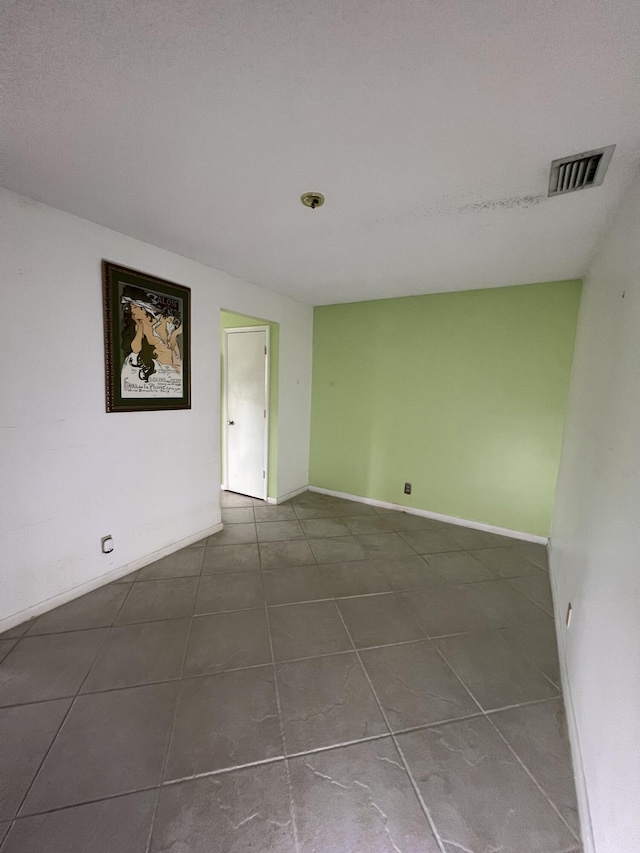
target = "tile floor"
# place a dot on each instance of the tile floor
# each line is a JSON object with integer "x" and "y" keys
{"x": 320, "y": 676}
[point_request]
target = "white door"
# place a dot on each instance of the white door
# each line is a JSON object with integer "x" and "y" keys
{"x": 246, "y": 409}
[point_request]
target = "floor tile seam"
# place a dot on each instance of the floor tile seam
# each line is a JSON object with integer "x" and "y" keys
{"x": 486, "y": 712}
{"x": 175, "y": 706}
{"x": 530, "y": 775}
{"x": 177, "y": 698}
{"x": 280, "y": 719}
{"x": 119, "y": 795}
{"x": 70, "y": 631}
{"x": 527, "y": 704}
{"x": 191, "y": 676}
{"x": 74, "y": 699}
{"x": 528, "y": 597}
{"x": 488, "y": 629}
{"x": 558, "y": 686}
{"x": 276, "y": 663}
{"x": 406, "y": 766}
{"x": 453, "y": 670}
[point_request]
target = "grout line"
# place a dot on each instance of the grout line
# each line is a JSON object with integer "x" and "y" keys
{"x": 412, "y": 782}
{"x": 283, "y": 739}
{"x": 487, "y": 714}
{"x": 195, "y": 676}
{"x": 531, "y": 776}
{"x": 175, "y": 707}
{"x": 66, "y": 716}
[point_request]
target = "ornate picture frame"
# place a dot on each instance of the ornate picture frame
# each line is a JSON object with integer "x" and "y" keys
{"x": 147, "y": 341}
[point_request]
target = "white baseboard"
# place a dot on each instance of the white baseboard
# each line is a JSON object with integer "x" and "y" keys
{"x": 584, "y": 813}
{"x": 112, "y": 575}
{"x": 449, "y": 519}
{"x": 282, "y": 498}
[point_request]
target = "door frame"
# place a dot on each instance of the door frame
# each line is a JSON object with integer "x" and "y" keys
{"x": 225, "y": 402}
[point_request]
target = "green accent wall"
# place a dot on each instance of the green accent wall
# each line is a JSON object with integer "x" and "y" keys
{"x": 462, "y": 394}
{"x": 229, "y": 320}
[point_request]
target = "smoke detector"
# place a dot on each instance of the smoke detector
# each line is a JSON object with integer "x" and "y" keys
{"x": 580, "y": 171}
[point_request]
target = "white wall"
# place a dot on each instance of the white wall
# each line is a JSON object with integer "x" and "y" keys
{"x": 69, "y": 472}
{"x": 595, "y": 539}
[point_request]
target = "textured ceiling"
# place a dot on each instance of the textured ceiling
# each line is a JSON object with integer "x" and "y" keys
{"x": 429, "y": 126}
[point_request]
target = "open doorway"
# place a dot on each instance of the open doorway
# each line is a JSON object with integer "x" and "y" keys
{"x": 249, "y": 362}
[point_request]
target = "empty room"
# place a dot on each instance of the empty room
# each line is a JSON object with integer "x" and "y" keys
{"x": 320, "y": 469}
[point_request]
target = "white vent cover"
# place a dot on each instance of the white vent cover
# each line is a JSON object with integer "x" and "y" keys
{"x": 580, "y": 171}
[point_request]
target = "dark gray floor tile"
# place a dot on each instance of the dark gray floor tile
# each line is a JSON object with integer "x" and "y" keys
{"x": 326, "y": 701}
{"x": 279, "y": 531}
{"x": 231, "y": 558}
{"x": 49, "y": 667}
{"x": 233, "y": 591}
{"x": 305, "y": 512}
{"x": 469, "y": 537}
{"x": 538, "y": 643}
{"x": 111, "y": 743}
{"x": 26, "y": 733}
{"x": 234, "y": 534}
{"x": 4, "y": 828}
{"x": 228, "y": 499}
{"x": 509, "y": 562}
{"x": 404, "y": 522}
{"x": 17, "y": 631}
{"x": 321, "y": 528}
{"x": 367, "y": 524}
{"x": 139, "y": 654}
{"x": 234, "y": 812}
{"x": 97, "y": 609}
{"x": 238, "y": 515}
{"x": 119, "y": 824}
{"x": 5, "y": 648}
{"x": 227, "y": 641}
{"x": 459, "y": 567}
{"x": 183, "y": 563}
{"x": 361, "y": 577}
{"x": 538, "y": 735}
{"x": 376, "y": 620}
{"x": 358, "y": 798}
{"x": 429, "y": 541}
{"x": 312, "y": 499}
{"x": 151, "y": 601}
{"x": 538, "y": 554}
{"x": 301, "y": 583}
{"x": 537, "y": 588}
{"x": 130, "y": 578}
{"x": 349, "y": 509}
{"x": 224, "y": 720}
{"x": 338, "y": 549}
{"x": 450, "y": 610}
{"x": 384, "y": 546}
{"x": 281, "y": 512}
{"x": 200, "y": 543}
{"x": 282, "y": 555}
{"x": 409, "y": 573}
{"x": 305, "y": 630}
{"x": 502, "y": 605}
{"x": 415, "y": 686}
{"x": 494, "y": 672}
{"x": 478, "y": 795}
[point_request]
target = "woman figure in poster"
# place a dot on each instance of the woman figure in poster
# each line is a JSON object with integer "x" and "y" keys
{"x": 150, "y": 346}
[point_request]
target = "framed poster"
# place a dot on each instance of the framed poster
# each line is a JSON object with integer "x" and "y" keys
{"x": 147, "y": 332}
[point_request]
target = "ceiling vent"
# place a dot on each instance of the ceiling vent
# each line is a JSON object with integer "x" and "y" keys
{"x": 580, "y": 171}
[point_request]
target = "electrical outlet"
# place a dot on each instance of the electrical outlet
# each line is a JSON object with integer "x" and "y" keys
{"x": 407, "y": 488}
{"x": 106, "y": 544}
{"x": 568, "y": 616}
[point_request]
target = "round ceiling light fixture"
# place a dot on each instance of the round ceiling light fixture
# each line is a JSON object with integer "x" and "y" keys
{"x": 312, "y": 200}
